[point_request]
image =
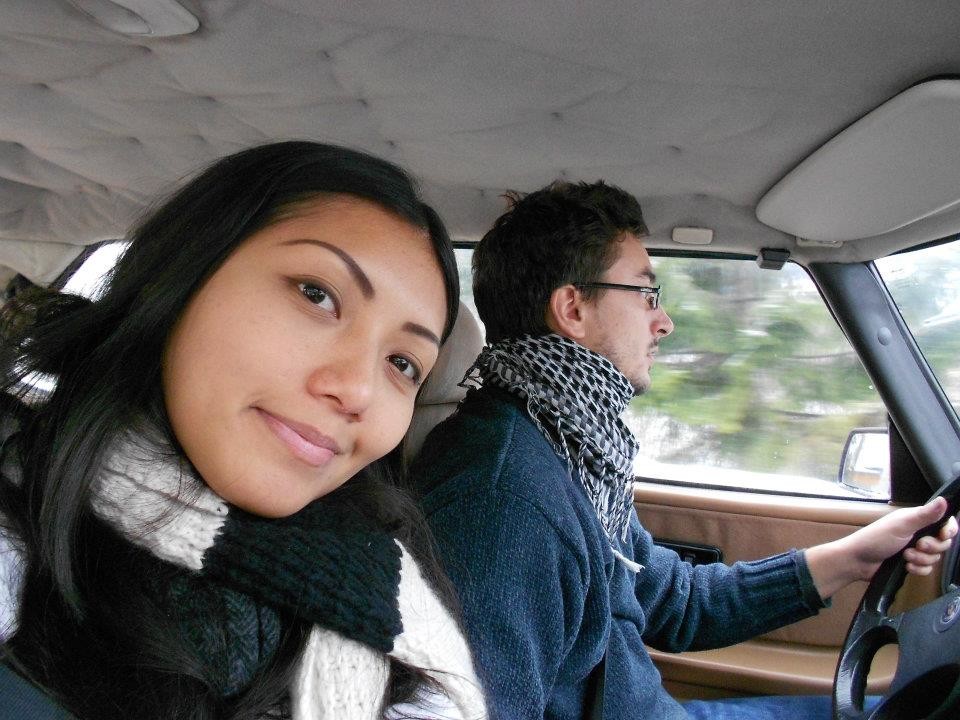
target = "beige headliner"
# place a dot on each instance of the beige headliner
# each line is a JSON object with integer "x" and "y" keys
{"x": 697, "y": 106}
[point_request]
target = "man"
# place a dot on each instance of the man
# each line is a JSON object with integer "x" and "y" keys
{"x": 528, "y": 486}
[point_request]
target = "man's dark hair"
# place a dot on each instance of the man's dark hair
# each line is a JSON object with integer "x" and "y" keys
{"x": 563, "y": 233}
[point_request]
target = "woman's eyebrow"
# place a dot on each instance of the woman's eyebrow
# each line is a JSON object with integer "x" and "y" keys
{"x": 422, "y": 332}
{"x": 366, "y": 287}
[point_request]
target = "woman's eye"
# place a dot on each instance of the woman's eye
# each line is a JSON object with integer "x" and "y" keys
{"x": 317, "y": 296}
{"x": 406, "y": 368}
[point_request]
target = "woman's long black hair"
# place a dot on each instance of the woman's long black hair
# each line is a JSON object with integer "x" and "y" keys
{"x": 89, "y": 630}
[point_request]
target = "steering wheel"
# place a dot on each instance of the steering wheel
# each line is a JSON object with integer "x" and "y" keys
{"x": 926, "y": 685}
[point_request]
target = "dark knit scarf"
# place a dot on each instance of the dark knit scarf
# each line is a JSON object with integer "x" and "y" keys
{"x": 321, "y": 565}
{"x": 235, "y": 572}
{"x": 576, "y": 398}
{"x": 232, "y": 633}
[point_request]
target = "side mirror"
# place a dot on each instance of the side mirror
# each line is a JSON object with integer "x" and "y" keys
{"x": 865, "y": 464}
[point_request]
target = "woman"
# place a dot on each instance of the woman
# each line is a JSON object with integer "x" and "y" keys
{"x": 204, "y": 504}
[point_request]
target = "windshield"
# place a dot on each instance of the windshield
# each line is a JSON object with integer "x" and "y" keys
{"x": 925, "y": 284}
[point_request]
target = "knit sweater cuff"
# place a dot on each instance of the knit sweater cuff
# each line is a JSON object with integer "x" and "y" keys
{"x": 810, "y": 593}
{"x": 782, "y": 588}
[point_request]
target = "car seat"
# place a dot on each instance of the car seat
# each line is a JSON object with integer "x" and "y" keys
{"x": 441, "y": 393}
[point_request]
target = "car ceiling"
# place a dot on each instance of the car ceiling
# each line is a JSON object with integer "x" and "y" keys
{"x": 697, "y": 107}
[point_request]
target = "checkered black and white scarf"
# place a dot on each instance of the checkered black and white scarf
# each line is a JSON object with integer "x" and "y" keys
{"x": 576, "y": 398}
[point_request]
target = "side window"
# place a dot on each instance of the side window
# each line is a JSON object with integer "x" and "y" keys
{"x": 87, "y": 280}
{"x": 757, "y": 388}
{"x": 925, "y": 285}
{"x": 89, "y": 277}
{"x": 464, "y": 258}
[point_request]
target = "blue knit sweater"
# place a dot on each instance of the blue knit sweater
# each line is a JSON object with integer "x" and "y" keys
{"x": 542, "y": 594}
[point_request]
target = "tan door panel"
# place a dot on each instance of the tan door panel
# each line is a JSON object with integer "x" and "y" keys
{"x": 761, "y": 667}
{"x": 746, "y": 526}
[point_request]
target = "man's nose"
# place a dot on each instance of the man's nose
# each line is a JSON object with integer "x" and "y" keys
{"x": 662, "y": 324}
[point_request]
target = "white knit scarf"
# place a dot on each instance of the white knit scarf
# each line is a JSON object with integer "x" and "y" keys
{"x": 155, "y": 502}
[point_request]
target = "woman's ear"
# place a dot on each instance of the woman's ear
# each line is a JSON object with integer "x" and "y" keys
{"x": 566, "y": 312}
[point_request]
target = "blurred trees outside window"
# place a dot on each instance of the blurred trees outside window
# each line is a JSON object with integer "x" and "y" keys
{"x": 925, "y": 285}
{"x": 757, "y": 387}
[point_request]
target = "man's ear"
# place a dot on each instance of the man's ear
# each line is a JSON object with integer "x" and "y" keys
{"x": 566, "y": 312}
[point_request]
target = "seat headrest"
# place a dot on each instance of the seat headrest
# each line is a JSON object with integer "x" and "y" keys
{"x": 441, "y": 391}
{"x": 456, "y": 356}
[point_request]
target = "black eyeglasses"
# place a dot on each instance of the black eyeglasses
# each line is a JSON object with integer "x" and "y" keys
{"x": 651, "y": 293}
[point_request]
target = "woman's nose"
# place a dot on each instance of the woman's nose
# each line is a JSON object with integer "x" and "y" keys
{"x": 347, "y": 378}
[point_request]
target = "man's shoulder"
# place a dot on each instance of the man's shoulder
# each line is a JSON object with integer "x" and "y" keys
{"x": 486, "y": 477}
{"x": 488, "y": 445}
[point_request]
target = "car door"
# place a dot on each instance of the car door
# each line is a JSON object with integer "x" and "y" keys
{"x": 743, "y": 432}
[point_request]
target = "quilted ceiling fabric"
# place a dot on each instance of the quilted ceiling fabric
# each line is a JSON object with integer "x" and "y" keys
{"x": 697, "y": 106}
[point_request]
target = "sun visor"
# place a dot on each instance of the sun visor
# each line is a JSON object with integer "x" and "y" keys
{"x": 894, "y": 167}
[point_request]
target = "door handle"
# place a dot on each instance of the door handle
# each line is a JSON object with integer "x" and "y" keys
{"x": 693, "y": 553}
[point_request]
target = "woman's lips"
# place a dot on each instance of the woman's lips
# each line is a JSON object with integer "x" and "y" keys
{"x": 305, "y": 442}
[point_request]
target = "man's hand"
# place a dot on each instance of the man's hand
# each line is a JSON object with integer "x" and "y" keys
{"x": 836, "y": 564}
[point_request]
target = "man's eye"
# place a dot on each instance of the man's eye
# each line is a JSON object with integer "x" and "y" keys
{"x": 317, "y": 296}
{"x": 406, "y": 367}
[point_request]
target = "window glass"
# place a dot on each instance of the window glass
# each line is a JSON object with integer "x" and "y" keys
{"x": 925, "y": 284}
{"x": 757, "y": 388}
{"x": 89, "y": 278}
{"x": 88, "y": 281}
{"x": 464, "y": 258}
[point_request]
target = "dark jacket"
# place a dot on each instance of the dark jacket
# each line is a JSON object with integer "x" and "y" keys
{"x": 543, "y": 596}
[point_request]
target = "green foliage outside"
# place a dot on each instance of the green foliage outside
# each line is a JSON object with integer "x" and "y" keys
{"x": 925, "y": 285}
{"x": 756, "y": 376}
